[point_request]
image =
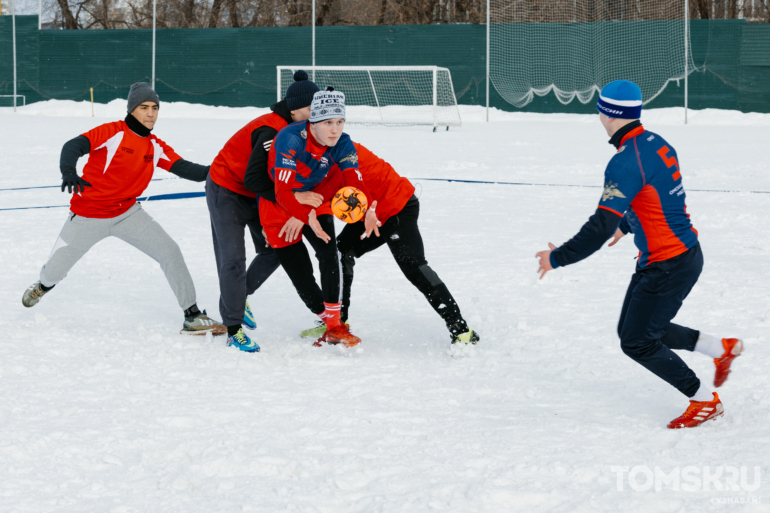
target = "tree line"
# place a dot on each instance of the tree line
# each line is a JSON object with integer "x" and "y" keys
{"x": 132, "y": 14}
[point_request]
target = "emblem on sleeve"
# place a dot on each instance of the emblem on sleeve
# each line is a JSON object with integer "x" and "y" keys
{"x": 303, "y": 134}
{"x": 352, "y": 158}
{"x": 611, "y": 191}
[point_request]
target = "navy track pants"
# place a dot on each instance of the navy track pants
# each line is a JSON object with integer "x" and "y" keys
{"x": 646, "y": 332}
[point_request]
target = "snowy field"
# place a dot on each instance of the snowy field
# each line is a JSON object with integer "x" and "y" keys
{"x": 106, "y": 408}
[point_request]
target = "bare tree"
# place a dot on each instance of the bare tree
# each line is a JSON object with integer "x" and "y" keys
{"x": 69, "y": 20}
{"x": 83, "y": 14}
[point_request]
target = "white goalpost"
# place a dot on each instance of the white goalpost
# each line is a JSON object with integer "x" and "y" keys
{"x": 386, "y": 95}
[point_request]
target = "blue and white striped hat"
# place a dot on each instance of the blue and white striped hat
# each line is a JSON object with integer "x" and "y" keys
{"x": 620, "y": 99}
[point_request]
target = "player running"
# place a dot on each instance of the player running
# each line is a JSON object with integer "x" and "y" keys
{"x": 232, "y": 206}
{"x": 643, "y": 195}
{"x": 398, "y": 210}
{"x": 302, "y": 158}
{"x": 122, "y": 157}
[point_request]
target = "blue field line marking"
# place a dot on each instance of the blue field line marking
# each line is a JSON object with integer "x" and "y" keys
{"x": 59, "y": 186}
{"x": 568, "y": 185}
{"x": 186, "y": 195}
{"x": 159, "y": 197}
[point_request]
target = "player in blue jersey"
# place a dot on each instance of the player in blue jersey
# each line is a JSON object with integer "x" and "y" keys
{"x": 313, "y": 156}
{"x": 643, "y": 195}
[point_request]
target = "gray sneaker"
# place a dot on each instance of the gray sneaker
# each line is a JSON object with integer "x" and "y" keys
{"x": 201, "y": 325}
{"x": 33, "y": 294}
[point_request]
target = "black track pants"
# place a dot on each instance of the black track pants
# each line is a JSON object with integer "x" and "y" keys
{"x": 402, "y": 235}
{"x": 295, "y": 260}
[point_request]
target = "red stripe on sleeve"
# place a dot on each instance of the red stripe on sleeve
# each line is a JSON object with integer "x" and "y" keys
{"x": 611, "y": 210}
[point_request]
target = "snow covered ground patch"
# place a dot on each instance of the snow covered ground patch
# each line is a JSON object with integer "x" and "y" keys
{"x": 105, "y": 407}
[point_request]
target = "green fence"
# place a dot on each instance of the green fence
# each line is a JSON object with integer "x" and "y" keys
{"x": 236, "y": 67}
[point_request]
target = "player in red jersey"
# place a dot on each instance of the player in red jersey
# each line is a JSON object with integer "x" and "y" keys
{"x": 233, "y": 205}
{"x": 397, "y": 210}
{"x": 122, "y": 158}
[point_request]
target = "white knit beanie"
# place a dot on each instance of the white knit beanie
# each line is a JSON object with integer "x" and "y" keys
{"x": 327, "y": 105}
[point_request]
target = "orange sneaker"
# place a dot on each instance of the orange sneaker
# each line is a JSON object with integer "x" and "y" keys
{"x": 733, "y": 349}
{"x": 698, "y": 412}
{"x": 339, "y": 334}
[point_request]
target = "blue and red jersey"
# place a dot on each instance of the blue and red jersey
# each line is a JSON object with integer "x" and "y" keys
{"x": 642, "y": 194}
{"x": 297, "y": 162}
{"x": 643, "y": 185}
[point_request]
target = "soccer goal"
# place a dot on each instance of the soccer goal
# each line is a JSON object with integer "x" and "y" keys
{"x": 386, "y": 95}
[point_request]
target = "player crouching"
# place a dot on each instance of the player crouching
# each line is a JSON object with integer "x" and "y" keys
{"x": 643, "y": 195}
{"x": 398, "y": 210}
{"x": 122, "y": 158}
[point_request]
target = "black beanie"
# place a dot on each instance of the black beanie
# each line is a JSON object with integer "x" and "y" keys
{"x": 300, "y": 94}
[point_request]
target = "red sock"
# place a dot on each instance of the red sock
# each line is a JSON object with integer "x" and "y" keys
{"x": 331, "y": 316}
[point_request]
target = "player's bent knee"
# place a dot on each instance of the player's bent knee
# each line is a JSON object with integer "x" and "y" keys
{"x": 348, "y": 263}
{"x": 430, "y": 275}
{"x": 636, "y": 348}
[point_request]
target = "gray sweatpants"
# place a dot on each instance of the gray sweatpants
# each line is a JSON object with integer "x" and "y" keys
{"x": 135, "y": 227}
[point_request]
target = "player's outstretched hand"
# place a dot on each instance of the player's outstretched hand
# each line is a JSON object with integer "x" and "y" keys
{"x": 316, "y": 226}
{"x": 371, "y": 223}
{"x": 545, "y": 260}
{"x": 72, "y": 180}
{"x": 615, "y": 238}
{"x": 292, "y": 229}
{"x": 309, "y": 198}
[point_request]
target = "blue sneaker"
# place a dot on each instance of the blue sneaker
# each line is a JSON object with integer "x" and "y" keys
{"x": 243, "y": 342}
{"x": 248, "y": 318}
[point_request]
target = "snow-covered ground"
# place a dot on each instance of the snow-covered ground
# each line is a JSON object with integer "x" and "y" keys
{"x": 105, "y": 407}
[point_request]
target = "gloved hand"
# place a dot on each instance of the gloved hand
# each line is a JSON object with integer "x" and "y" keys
{"x": 70, "y": 180}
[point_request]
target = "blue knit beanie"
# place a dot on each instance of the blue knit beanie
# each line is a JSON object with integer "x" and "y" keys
{"x": 620, "y": 99}
{"x": 300, "y": 94}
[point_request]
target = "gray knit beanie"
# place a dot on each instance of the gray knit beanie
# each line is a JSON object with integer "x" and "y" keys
{"x": 300, "y": 94}
{"x": 141, "y": 92}
{"x": 327, "y": 105}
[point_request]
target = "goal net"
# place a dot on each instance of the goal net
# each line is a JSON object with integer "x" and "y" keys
{"x": 389, "y": 95}
{"x": 575, "y": 47}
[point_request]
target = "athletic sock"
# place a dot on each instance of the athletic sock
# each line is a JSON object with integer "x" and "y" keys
{"x": 709, "y": 345}
{"x": 331, "y": 315}
{"x": 232, "y": 330}
{"x": 192, "y": 312}
{"x": 46, "y": 289}
{"x": 703, "y": 394}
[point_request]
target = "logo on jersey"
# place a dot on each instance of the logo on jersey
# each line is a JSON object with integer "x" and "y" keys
{"x": 620, "y": 150}
{"x": 303, "y": 134}
{"x": 611, "y": 191}
{"x": 284, "y": 175}
{"x": 324, "y": 162}
{"x": 650, "y": 138}
{"x": 148, "y": 158}
{"x": 352, "y": 158}
{"x": 127, "y": 150}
